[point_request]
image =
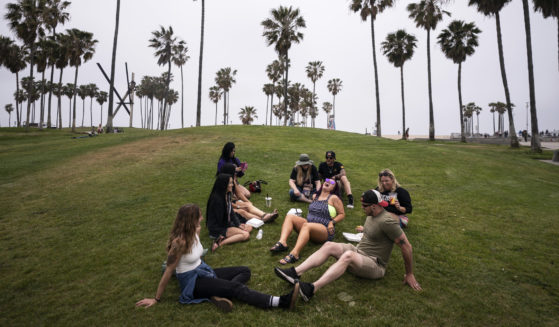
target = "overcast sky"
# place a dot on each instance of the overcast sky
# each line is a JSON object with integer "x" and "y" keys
{"x": 335, "y": 36}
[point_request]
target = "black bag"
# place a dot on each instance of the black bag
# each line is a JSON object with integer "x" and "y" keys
{"x": 255, "y": 186}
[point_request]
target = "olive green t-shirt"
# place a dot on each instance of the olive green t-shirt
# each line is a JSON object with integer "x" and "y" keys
{"x": 379, "y": 234}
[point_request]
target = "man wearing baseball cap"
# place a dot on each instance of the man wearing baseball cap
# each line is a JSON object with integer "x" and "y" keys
{"x": 368, "y": 260}
{"x": 335, "y": 170}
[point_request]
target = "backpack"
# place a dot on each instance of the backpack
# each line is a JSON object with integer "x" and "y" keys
{"x": 255, "y": 186}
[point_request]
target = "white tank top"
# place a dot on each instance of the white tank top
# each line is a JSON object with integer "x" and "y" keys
{"x": 191, "y": 260}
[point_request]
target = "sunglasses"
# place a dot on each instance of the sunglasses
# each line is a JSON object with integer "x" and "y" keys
{"x": 366, "y": 205}
{"x": 329, "y": 181}
{"x": 330, "y": 158}
{"x": 384, "y": 174}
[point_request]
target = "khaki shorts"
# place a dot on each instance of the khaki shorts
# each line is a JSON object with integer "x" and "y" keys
{"x": 370, "y": 267}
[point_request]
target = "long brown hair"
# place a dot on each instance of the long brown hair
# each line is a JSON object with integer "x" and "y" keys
{"x": 303, "y": 176}
{"x": 184, "y": 228}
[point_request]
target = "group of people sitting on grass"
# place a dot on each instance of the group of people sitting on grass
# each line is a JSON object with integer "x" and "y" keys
{"x": 228, "y": 209}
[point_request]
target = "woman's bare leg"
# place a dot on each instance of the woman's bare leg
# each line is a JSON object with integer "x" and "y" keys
{"x": 290, "y": 222}
{"x": 314, "y": 231}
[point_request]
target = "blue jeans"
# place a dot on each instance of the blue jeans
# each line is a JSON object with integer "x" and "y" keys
{"x": 300, "y": 188}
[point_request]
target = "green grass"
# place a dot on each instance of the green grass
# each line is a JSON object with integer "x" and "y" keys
{"x": 84, "y": 222}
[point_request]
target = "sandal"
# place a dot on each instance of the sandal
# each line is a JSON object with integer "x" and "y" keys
{"x": 278, "y": 247}
{"x": 270, "y": 217}
{"x": 217, "y": 243}
{"x": 290, "y": 258}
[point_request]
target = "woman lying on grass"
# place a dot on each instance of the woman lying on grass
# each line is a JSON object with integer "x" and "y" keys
{"x": 324, "y": 212}
{"x": 241, "y": 204}
{"x": 198, "y": 281}
{"x": 224, "y": 224}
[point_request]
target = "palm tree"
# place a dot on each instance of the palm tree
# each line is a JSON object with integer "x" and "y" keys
{"x": 57, "y": 91}
{"x": 549, "y": 8}
{"x": 458, "y": 42}
{"x": 62, "y": 59}
{"x": 372, "y": 8}
{"x": 15, "y": 62}
{"x": 43, "y": 54}
{"x": 314, "y": 69}
{"x": 327, "y": 107}
{"x": 215, "y": 96}
{"x": 20, "y": 96}
{"x": 398, "y": 48}
{"x": 179, "y": 59}
{"x": 247, "y": 115}
{"x": 282, "y": 30}
{"x": 83, "y": 93}
{"x": 274, "y": 72}
{"x": 268, "y": 89}
{"x": 535, "y": 145}
{"x": 92, "y": 90}
{"x": 199, "y": 103}
{"x": 489, "y": 8}
{"x": 334, "y": 86}
{"x": 225, "y": 78}
{"x": 53, "y": 15}
{"x": 81, "y": 47}
{"x": 101, "y": 97}
{"x": 25, "y": 20}
{"x": 427, "y": 14}
{"x": 164, "y": 42}
{"x": 110, "y": 113}
{"x": 295, "y": 92}
{"x": 9, "y": 108}
{"x": 69, "y": 90}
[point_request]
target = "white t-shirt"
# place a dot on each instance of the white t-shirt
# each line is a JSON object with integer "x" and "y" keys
{"x": 191, "y": 260}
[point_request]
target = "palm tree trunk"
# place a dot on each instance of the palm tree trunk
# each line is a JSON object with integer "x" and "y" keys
{"x": 513, "y": 137}
{"x": 50, "y": 97}
{"x": 31, "y": 56}
{"x": 334, "y": 106}
{"x": 266, "y": 119}
{"x": 59, "y": 107}
{"x": 313, "y": 108}
{"x": 162, "y": 118}
{"x": 18, "y": 107}
{"x": 42, "y": 118}
{"x": 75, "y": 96}
{"x": 91, "y": 111}
{"x": 493, "y": 122}
{"x": 228, "y": 105}
{"x": 83, "y": 110}
{"x": 224, "y": 107}
{"x": 199, "y": 104}
{"x": 462, "y": 137}
{"x": 285, "y": 87}
{"x": 535, "y": 141}
{"x": 403, "y": 103}
{"x": 70, "y": 112}
{"x": 376, "y": 76}
{"x": 109, "y": 128}
{"x": 101, "y": 120}
{"x": 431, "y": 115}
{"x": 215, "y": 113}
{"x": 272, "y": 103}
{"x": 182, "y": 100}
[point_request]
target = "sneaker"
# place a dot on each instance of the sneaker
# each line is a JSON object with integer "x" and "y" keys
{"x": 222, "y": 303}
{"x": 287, "y": 301}
{"x": 306, "y": 290}
{"x": 350, "y": 201}
{"x": 287, "y": 274}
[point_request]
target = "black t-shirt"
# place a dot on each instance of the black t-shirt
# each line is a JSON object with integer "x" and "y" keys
{"x": 402, "y": 195}
{"x": 314, "y": 176}
{"x": 326, "y": 171}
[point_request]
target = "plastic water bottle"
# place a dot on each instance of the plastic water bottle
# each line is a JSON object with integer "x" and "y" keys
{"x": 259, "y": 235}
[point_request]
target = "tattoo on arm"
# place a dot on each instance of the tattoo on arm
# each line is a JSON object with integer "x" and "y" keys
{"x": 402, "y": 241}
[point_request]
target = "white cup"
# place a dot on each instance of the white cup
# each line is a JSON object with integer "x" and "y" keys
{"x": 268, "y": 201}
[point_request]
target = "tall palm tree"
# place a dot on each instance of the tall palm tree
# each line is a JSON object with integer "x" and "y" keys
{"x": 53, "y": 15}
{"x": 274, "y": 71}
{"x": 535, "y": 145}
{"x": 83, "y": 93}
{"x": 458, "y": 42}
{"x": 69, "y": 90}
{"x": 92, "y": 90}
{"x": 101, "y": 97}
{"x": 225, "y": 78}
{"x": 295, "y": 93}
{"x": 43, "y": 52}
{"x": 81, "y": 47}
{"x": 334, "y": 87}
{"x": 62, "y": 55}
{"x": 372, "y": 8}
{"x": 549, "y": 8}
{"x": 15, "y": 62}
{"x": 247, "y": 115}
{"x": 315, "y": 70}
{"x": 25, "y": 20}
{"x": 268, "y": 89}
{"x": 427, "y": 14}
{"x": 215, "y": 96}
{"x": 163, "y": 42}
{"x": 9, "y": 108}
{"x": 110, "y": 113}
{"x": 200, "y": 57}
{"x": 281, "y": 31}
{"x": 179, "y": 59}
{"x": 489, "y": 8}
{"x": 398, "y": 48}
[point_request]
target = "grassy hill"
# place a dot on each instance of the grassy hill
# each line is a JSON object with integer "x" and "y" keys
{"x": 84, "y": 223}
